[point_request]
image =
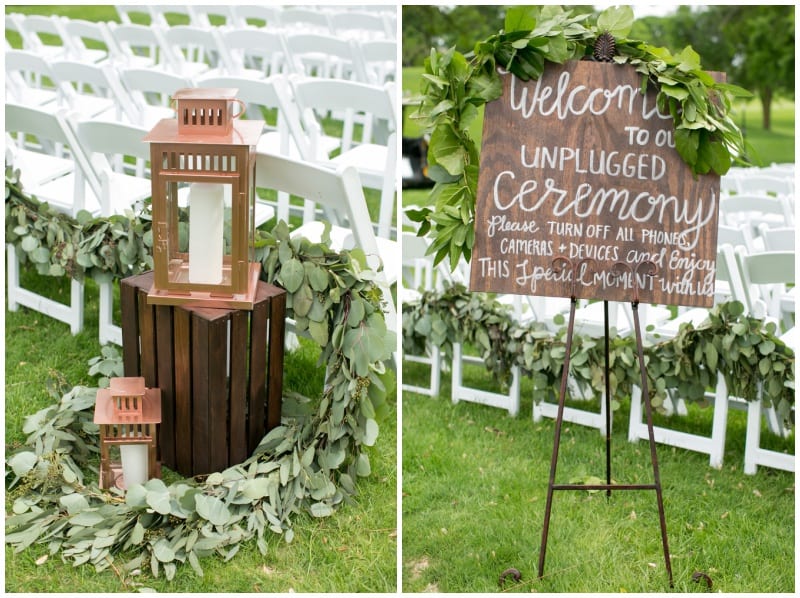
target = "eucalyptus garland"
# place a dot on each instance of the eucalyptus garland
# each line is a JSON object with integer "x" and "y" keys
{"x": 744, "y": 349}
{"x": 454, "y": 87}
{"x": 309, "y": 463}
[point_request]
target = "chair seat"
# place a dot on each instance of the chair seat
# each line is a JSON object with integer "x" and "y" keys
{"x": 369, "y": 159}
{"x": 54, "y": 192}
{"x": 37, "y": 168}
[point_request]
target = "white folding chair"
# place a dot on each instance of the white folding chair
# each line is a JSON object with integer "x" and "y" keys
{"x": 134, "y": 14}
{"x": 767, "y": 279}
{"x": 70, "y": 192}
{"x": 738, "y": 235}
{"x": 92, "y": 91}
{"x": 42, "y": 35}
{"x": 322, "y": 55}
{"x": 755, "y": 182}
{"x": 419, "y": 275}
{"x": 378, "y": 61}
{"x": 151, "y": 92}
{"x": 376, "y": 162}
{"x": 714, "y": 444}
{"x": 140, "y": 46}
{"x": 30, "y": 80}
{"x": 754, "y": 454}
{"x": 120, "y": 158}
{"x": 341, "y": 194}
{"x": 770, "y": 270}
{"x": 357, "y": 25}
{"x": 208, "y": 15}
{"x": 745, "y": 209}
{"x": 779, "y": 238}
{"x": 170, "y": 15}
{"x": 88, "y": 41}
{"x": 294, "y": 19}
{"x": 194, "y": 50}
{"x": 254, "y": 53}
{"x": 256, "y": 15}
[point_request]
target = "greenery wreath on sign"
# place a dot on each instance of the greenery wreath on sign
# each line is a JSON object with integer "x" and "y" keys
{"x": 309, "y": 463}
{"x": 454, "y": 87}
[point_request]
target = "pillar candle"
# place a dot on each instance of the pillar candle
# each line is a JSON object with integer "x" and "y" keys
{"x": 206, "y": 218}
{"x": 134, "y": 463}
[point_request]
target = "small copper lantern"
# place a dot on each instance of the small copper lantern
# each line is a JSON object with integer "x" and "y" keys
{"x": 204, "y": 159}
{"x": 127, "y": 414}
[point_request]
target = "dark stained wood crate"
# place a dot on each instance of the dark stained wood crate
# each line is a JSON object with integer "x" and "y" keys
{"x": 220, "y": 372}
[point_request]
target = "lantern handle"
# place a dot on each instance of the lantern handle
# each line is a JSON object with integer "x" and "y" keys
{"x": 243, "y": 107}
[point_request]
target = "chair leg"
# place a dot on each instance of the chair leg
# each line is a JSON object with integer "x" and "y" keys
{"x": 109, "y": 332}
{"x": 719, "y": 423}
{"x": 752, "y": 436}
{"x": 12, "y": 277}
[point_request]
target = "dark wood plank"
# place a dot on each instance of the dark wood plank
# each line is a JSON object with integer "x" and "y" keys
{"x": 130, "y": 327}
{"x": 183, "y": 391}
{"x": 277, "y": 331}
{"x": 579, "y": 164}
{"x": 217, "y": 446}
{"x": 166, "y": 382}
{"x": 147, "y": 333}
{"x": 201, "y": 462}
{"x": 240, "y": 325}
{"x": 258, "y": 374}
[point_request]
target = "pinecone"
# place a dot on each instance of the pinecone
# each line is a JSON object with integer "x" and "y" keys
{"x": 605, "y": 47}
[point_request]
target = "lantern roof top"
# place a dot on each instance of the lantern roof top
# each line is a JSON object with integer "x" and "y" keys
{"x": 127, "y": 387}
{"x": 244, "y": 132}
{"x": 151, "y": 407}
{"x": 205, "y": 93}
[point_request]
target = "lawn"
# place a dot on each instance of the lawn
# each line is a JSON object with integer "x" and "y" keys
{"x": 352, "y": 551}
{"x": 475, "y": 485}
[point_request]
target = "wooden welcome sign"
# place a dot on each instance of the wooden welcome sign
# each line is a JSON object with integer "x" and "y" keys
{"x": 580, "y": 164}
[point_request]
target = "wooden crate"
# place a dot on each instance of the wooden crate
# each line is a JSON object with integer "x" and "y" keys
{"x": 220, "y": 372}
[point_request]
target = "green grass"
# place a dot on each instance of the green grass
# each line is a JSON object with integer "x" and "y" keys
{"x": 475, "y": 485}
{"x": 352, "y": 551}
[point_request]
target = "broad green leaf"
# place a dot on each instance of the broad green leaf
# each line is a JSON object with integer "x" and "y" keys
{"x": 320, "y": 509}
{"x": 371, "y": 432}
{"x": 163, "y": 551}
{"x": 292, "y": 275}
{"x": 22, "y": 463}
{"x": 447, "y": 149}
{"x": 319, "y": 332}
{"x": 74, "y": 503}
{"x": 159, "y": 501}
{"x": 521, "y": 18}
{"x": 212, "y": 509}
{"x": 616, "y": 20}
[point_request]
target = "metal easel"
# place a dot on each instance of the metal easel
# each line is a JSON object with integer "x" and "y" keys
{"x": 559, "y": 264}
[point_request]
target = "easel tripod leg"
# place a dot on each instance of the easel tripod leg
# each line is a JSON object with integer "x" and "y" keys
{"x": 557, "y": 436}
{"x": 653, "y": 456}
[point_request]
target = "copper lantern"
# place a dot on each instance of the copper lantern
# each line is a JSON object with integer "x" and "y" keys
{"x": 128, "y": 414}
{"x": 204, "y": 160}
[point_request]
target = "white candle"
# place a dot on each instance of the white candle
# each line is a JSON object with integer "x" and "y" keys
{"x": 206, "y": 218}
{"x": 134, "y": 463}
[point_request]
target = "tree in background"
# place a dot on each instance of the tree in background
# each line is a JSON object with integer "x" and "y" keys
{"x": 754, "y": 45}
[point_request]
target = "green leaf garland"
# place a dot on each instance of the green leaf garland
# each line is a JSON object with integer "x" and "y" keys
{"x": 744, "y": 349}
{"x": 454, "y": 88}
{"x": 307, "y": 464}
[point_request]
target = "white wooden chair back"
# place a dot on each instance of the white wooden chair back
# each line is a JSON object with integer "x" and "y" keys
{"x": 341, "y": 194}
{"x": 255, "y": 53}
{"x": 151, "y": 91}
{"x": 93, "y": 91}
